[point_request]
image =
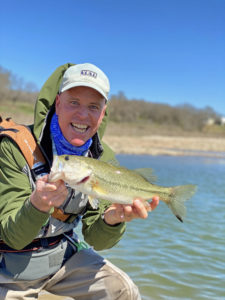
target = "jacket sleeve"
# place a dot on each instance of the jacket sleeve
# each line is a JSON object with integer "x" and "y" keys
{"x": 20, "y": 221}
{"x": 95, "y": 231}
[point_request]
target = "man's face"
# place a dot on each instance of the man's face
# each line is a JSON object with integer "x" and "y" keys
{"x": 80, "y": 111}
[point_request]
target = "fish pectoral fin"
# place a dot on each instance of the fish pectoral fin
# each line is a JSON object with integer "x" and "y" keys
{"x": 98, "y": 189}
{"x": 147, "y": 174}
{"x": 93, "y": 202}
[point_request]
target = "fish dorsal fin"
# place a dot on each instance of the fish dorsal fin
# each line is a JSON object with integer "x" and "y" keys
{"x": 147, "y": 174}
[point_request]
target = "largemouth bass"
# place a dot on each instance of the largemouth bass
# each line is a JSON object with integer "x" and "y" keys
{"x": 117, "y": 184}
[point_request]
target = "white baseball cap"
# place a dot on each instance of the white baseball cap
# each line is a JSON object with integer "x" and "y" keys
{"x": 85, "y": 75}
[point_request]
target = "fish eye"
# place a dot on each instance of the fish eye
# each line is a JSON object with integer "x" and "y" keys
{"x": 67, "y": 157}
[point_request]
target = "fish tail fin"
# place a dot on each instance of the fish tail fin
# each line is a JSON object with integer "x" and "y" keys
{"x": 178, "y": 196}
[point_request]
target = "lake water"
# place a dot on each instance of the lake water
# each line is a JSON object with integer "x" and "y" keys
{"x": 168, "y": 259}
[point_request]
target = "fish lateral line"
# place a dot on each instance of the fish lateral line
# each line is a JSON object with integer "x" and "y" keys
{"x": 126, "y": 186}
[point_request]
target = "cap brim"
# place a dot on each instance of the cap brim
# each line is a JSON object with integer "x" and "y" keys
{"x": 76, "y": 84}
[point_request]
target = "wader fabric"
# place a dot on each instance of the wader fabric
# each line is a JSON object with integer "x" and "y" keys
{"x": 85, "y": 276}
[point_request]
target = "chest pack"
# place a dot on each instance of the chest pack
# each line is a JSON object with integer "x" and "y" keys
{"x": 28, "y": 146}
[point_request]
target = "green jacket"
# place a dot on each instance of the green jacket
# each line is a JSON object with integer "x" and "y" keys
{"x": 20, "y": 221}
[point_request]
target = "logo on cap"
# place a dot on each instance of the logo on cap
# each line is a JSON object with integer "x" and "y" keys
{"x": 88, "y": 73}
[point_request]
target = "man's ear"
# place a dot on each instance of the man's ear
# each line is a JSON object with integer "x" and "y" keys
{"x": 105, "y": 108}
{"x": 104, "y": 112}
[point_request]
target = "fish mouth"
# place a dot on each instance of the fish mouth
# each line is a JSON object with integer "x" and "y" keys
{"x": 85, "y": 179}
{"x": 81, "y": 128}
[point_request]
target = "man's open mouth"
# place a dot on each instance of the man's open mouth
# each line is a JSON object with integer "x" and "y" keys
{"x": 81, "y": 128}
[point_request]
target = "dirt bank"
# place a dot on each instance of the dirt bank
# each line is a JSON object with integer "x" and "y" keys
{"x": 163, "y": 145}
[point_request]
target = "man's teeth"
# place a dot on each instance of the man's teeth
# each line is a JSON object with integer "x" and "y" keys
{"x": 80, "y": 127}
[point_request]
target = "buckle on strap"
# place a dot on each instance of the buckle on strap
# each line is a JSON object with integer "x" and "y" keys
{"x": 74, "y": 241}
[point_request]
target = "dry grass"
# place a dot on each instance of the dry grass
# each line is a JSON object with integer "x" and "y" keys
{"x": 21, "y": 113}
{"x": 152, "y": 140}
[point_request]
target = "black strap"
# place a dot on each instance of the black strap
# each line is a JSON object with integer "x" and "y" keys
{"x": 35, "y": 245}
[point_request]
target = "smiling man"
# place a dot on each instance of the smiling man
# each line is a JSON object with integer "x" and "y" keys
{"x": 39, "y": 249}
{"x": 80, "y": 111}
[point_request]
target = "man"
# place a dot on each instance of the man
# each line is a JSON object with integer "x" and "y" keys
{"x": 41, "y": 251}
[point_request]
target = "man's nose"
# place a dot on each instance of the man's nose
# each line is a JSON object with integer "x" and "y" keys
{"x": 82, "y": 112}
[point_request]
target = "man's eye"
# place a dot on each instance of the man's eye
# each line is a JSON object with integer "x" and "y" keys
{"x": 94, "y": 107}
{"x": 74, "y": 103}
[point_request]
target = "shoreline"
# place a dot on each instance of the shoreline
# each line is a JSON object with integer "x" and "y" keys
{"x": 167, "y": 145}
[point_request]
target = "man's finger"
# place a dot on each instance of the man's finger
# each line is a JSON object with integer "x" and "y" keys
{"x": 140, "y": 209}
{"x": 154, "y": 203}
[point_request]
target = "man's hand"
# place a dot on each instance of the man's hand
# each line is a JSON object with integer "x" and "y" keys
{"x": 118, "y": 213}
{"x": 48, "y": 195}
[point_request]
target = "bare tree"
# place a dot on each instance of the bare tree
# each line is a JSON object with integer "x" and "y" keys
{"x": 14, "y": 88}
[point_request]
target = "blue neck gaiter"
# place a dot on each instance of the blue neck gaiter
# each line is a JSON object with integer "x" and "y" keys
{"x": 62, "y": 145}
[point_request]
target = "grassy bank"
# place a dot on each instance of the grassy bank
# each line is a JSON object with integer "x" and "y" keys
{"x": 140, "y": 129}
{"x": 21, "y": 112}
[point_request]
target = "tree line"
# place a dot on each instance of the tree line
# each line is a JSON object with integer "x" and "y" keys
{"x": 184, "y": 116}
{"x": 121, "y": 109}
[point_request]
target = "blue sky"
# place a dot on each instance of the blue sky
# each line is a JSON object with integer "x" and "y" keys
{"x": 165, "y": 51}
